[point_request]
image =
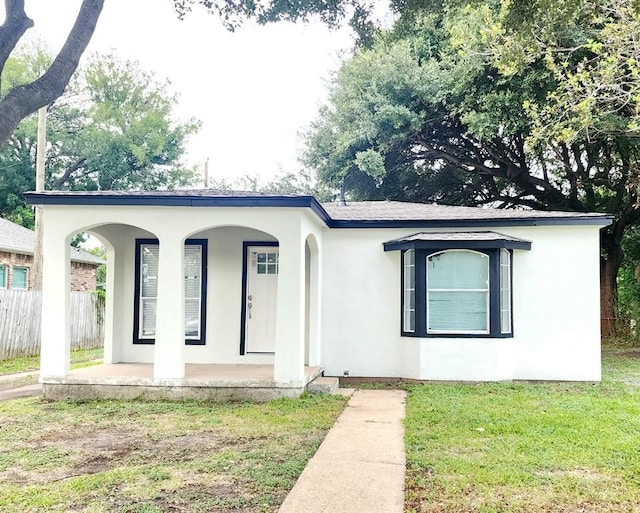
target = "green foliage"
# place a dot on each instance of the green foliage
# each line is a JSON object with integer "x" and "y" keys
{"x": 114, "y": 128}
{"x": 457, "y": 104}
{"x": 629, "y": 284}
{"x": 30, "y": 363}
{"x": 284, "y": 183}
{"x": 233, "y": 13}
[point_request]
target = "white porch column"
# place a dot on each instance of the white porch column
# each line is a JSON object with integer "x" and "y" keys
{"x": 56, "y": 318}
{"x": 290, "y": 316}
{"x": 168, "y": 362}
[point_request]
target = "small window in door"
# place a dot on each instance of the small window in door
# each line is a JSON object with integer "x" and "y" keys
{"x": 267, "y": 263}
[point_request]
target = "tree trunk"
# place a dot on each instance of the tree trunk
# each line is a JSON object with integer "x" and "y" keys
{"x": 610, "y": 264}
{"x": 25, "y": 99}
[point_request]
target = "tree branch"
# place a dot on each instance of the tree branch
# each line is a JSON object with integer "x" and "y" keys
{"x": 78, "y": 164}
{"x": 23, "y": 100}
{"x": 15, "y": 25}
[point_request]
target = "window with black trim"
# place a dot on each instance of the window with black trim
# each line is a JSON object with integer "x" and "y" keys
{"x": 146, "y": 291}
{"x": 456, "y": 292}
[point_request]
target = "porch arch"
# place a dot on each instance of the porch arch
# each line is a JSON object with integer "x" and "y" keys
{"x": 56, "y": 314}
{"x": 312, "y": 301}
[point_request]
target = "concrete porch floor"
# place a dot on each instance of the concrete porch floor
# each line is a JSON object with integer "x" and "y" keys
{"x": 201, "y": 382}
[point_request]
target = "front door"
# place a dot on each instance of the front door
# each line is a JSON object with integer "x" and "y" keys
{"x": 261, "y": 299}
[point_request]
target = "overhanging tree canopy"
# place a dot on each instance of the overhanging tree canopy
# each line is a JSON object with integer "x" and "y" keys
{"x": 429, "y": 114}
{"x": 113, "y": 128}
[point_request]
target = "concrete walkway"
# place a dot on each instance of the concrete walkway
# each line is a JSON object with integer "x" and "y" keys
{"x": 23, "y": 384}
{"x": 25, "y": 391}
{"x": 360, "y": 466}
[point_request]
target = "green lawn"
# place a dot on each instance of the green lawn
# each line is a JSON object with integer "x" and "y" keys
{"x": 527, "y": 447}
{"x": 79, "y": 358}
{"x": 144, "y": 457}
{"x": 509, "y": 447}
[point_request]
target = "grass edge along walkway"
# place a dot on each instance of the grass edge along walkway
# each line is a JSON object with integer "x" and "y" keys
{"x": 524, "y": 447}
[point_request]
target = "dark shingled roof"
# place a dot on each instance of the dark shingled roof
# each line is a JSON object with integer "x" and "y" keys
{"x": 398, "y": 210}
{"x": 18, "y": 239}
{"x": 457, "y": 240}
{"x": 353, "y": 215}
{"x": 455, "y": 236}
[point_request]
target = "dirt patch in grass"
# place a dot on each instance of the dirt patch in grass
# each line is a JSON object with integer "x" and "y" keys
{"x": 121, "y": 457}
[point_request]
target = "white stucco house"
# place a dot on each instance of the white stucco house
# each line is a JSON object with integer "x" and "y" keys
{"x": 216, "y": 290}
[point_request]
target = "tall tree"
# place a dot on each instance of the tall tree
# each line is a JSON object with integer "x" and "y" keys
{"x": 429, "y": 113}
{"x": 114, "y": 128}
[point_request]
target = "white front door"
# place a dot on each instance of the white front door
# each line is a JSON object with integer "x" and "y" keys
{"x": 261, "y": 299}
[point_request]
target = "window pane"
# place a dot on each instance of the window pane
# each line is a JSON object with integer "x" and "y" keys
{"x": 20, "y": 278}
{"x": 3, "y": 277}
{"x": 408, "y": 291}
{"x": 192, "y": 318}
{"x": 458, "y": 292}
{"x": 149, "y": 259}
{"x": 409, "y": 300}
{"x": 457, "y": 311}
{"x": 192, "y": 271}
{"x": 148, "y": 317}
{"x": 458, "y": 270}
{"x": 409, "y": 321}
{"x": 505, "y": 291}
{"x": 192, "y": 290}
{"x": 149, "y": 270}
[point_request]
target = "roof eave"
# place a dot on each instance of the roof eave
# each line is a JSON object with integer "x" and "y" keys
{"x": 42, "y": 199}
{"x": 307, "y": 201}
{"x": 457, "y": 244}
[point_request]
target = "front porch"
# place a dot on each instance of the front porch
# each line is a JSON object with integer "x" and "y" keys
{"x": 205, "y": 382}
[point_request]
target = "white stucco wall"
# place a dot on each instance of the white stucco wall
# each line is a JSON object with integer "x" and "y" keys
{"x": 354, "y": 325}
{"x": 555, "y": 308}
{"x": 225, "y": 230}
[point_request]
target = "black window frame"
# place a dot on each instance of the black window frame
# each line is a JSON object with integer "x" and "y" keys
{"x": 202, "y": 340}
{"x": 421, "y": 256}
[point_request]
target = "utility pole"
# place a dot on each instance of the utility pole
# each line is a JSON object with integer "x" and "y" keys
{"x": 206, "y": 173}
{"x": 40, "y": 163}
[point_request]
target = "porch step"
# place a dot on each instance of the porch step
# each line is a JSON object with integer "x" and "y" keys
{"x": 324, "y": 385}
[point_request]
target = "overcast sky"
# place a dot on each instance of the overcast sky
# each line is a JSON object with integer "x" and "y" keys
{"x": 253, "y": 90}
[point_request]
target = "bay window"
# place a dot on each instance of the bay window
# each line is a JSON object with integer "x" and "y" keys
{"x": 457, "y": 284}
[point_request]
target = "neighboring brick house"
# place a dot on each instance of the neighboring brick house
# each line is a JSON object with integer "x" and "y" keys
{"x": 16, "y": 260}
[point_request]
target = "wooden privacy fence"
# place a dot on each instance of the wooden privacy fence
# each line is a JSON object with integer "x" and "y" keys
{"x": 20, "y": 313}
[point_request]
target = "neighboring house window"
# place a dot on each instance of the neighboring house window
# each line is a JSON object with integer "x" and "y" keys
{"x": 20, "y": 278}
{"x": 3, "y": 276}
{"x": 456, "y": 292}
{"x": 147, "y": 258}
